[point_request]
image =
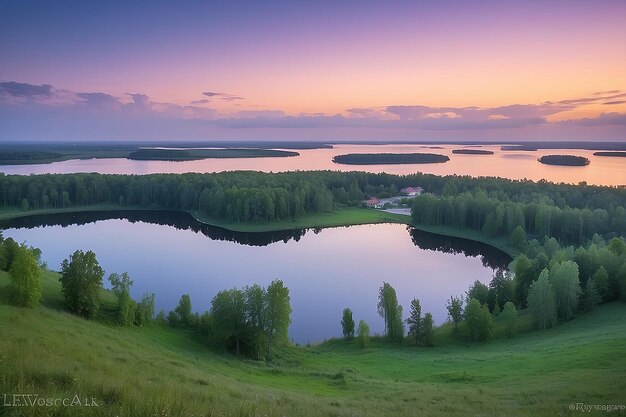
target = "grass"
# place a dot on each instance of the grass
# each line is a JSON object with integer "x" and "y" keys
{"x": 156, "y": 371}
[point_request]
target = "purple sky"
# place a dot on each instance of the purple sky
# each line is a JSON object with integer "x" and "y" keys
{"x": 452, "y": 70}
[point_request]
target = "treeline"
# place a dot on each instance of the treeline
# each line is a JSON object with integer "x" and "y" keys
{"x": 389, "y": 158}
{"x": 500, "y": 214}
{"x": 255, "y": 196}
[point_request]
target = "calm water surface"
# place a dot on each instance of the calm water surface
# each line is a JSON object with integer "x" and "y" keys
{"x": 508, "y": 164}
{"x": 326, "y": 270}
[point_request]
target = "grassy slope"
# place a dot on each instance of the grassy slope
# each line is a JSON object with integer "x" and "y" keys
{"x": 156, "y": 371}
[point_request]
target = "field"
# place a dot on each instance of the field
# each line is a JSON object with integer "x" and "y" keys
{"x": 166, "y": 372}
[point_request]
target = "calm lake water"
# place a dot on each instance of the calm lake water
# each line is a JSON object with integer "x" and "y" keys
{"x": 171, "y": 254}
{"x": 508, "y": 164}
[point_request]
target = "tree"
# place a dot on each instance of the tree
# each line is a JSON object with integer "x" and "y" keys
{"x": 391, "y": 312}
{"x": 81, "y": 282}
{"x": 508, "y": 317}
{"x": 25, "y": 278}
{"x": 564, "y": 279}
{"x": 145, "y": 310}
{"x": 500, "y": 290}
{"x": 363, "y": 333}
{"x": 592, "y": 297}
{"x": 126, "y": 306}
{"x": 183, "y": 310}
{"x": 255, "y": 306}
{"x": 479, "y": 292}
{"x": 347, "y": 324}
{"x": 278, "y": 314}
{"x": 518, "y": 237}
{"x": 478, "y": 320}
{"x": 415, "y": 320}
{"x": 542, "y": 300}
{"x": 229, "y": 318}
{"x": 455, "y": 310}
{"x": 427, "y": 330}
{"x": 601, "y": 281}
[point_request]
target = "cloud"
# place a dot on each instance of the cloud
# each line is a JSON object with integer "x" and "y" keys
{"x": 98, "y": 100}
{"x": 615, "y": 102}
{"x": 604, "y": 119}
{"x": 222, "y": 96}
{"x": 25, "y": 90}
{"x": 203, "y": 101}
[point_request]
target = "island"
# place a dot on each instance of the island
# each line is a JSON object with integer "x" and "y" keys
{"x": 566, "y": 160}
{"x": 611, "y": 153}
{"x": 472, "y": 152}
{"x": 164, "y": 154}
{"x": 389, "y": 158}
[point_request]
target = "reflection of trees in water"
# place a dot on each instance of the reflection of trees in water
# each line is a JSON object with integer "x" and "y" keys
{"x": 491, "y": 257}
{"x": 177, "y": 219}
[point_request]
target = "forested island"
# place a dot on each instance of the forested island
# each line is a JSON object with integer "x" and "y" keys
{"x": 566, "y": 160}
{"x": 389, "y": 158}
{"x": 160, "y": 154}
{"x": 611, "y": 153}
{"x": 472, "y": 152}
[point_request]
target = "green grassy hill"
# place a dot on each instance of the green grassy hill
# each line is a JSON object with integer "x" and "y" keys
{"x": 158, "y": 371}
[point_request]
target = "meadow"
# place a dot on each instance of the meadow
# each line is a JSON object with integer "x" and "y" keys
{"x": 162, "y": 371}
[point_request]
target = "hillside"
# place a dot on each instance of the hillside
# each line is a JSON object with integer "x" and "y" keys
{"x": 166, "y": 372}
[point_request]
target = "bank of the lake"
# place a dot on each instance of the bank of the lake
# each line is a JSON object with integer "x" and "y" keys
{"x": 344, "y": 216}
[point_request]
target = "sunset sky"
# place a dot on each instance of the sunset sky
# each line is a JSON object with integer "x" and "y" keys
{"x": 315, "y": 70}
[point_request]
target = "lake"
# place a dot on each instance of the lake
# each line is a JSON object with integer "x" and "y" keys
{"x": 170, "y": 254}
{"x": 508, "y": 164}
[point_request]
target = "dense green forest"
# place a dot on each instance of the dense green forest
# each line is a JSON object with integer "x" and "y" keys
{"x": 160, "y": 154}
{"x": 571, "y": 213}
{"x": 472, "y": 152}
{"x": 389, "y": 158}
{"x": 567, "y": 160}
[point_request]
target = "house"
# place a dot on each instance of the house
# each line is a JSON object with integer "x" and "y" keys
{"x": 373, "y": 202}
{"x": 412, "y": 191}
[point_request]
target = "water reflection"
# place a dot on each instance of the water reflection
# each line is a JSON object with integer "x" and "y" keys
{"x": 491, "y": 257}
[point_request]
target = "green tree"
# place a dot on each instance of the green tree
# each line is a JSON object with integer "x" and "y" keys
{"x": 347, "y": 324}
{"x": 81, "y": 283}
{"x": 145, "y": 310}
{"x": 391, "y": 312}
{"x": 455, "y": 310}
{"x": 592, "y": 297}
{"x": 255, "y": 306}
{"x": 278, "y": 314}
{"x": 601, "y": 281}
{"x": 415, "y": 320}
{"x": 126, "y": 306}
{"x": 479, "y": 292}
{"x": 229, "y": 318}
{"x": 564, "y": 279}
{"x": 508, "y": 317}
{"x": 518, "y": 237}
{"x": 542, "y": 300}
{"x": 427, "y": 330}
{"x": 363, "y": 334}
{"x": 478, "y": 320}
{"x": 25, "y": 278}
{"x": 183, "y": 310}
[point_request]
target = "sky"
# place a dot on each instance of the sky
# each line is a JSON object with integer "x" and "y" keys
{"x": 314, "y": 70}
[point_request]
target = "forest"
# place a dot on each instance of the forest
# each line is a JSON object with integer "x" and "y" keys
{"x": 389, "y": 158}
{"x": 495, "y": 206}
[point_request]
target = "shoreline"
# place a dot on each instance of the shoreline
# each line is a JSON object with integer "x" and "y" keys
{"x": 341, "y": 217}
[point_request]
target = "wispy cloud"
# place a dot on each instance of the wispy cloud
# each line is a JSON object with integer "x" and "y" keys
{"x": 222, "y": 96}
{"x": 15, "y": 89}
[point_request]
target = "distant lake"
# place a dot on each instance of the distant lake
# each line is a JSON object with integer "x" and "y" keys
{"x": 508, "y": 164}
{"x": 171, "y": 254}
